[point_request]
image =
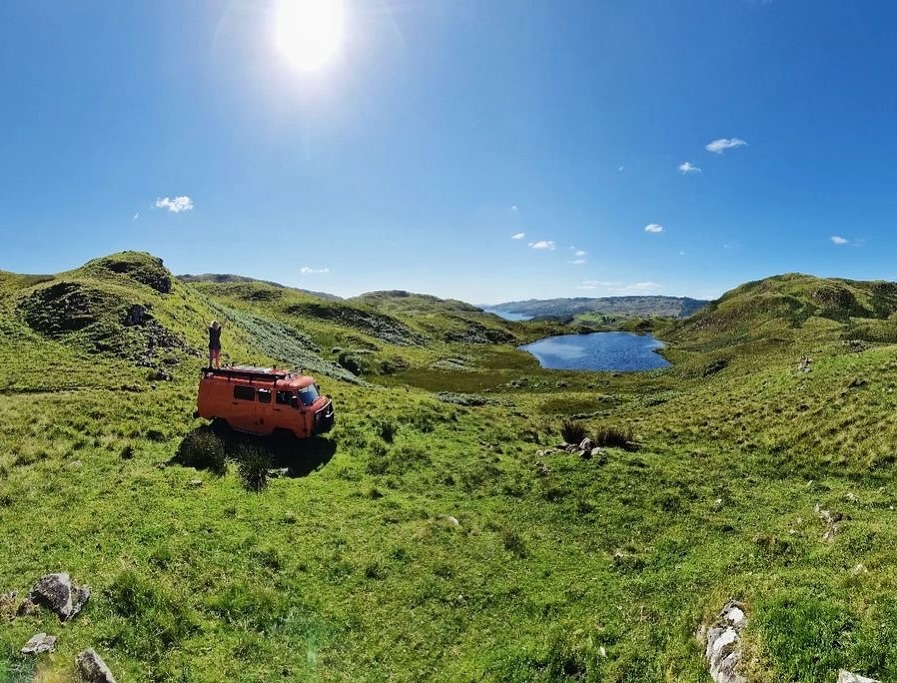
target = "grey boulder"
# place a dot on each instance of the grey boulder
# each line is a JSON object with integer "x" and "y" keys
{"x": 56, "y": 592}
{"x": 39, "y": 643}
{"x": 92, "y": 668}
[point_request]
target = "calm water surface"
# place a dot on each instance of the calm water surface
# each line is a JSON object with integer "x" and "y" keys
{"x": 611, "y": 351}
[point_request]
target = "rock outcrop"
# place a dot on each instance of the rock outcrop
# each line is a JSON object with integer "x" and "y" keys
{"x": 722, "y": 643}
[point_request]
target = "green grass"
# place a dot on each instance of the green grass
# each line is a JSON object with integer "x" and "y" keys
{"x": 425, "y": 538}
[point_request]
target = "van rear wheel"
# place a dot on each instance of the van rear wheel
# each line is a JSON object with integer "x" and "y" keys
{"x": 220, "y": 427}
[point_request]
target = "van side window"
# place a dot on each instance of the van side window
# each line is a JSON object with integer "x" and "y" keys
{"x": 264, "y": 396}
{"x": 244, "y": 393}
{"x": 283, "y": 398}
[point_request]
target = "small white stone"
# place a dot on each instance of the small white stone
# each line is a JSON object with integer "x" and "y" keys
{"x": 847, "y": 677}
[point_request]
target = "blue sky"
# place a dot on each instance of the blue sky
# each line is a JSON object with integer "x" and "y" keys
{"x": 442, "y": 128}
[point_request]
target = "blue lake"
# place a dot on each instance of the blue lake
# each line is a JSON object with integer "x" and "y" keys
{"x": 508, "y": 315}
{"x": 610, "y": 351}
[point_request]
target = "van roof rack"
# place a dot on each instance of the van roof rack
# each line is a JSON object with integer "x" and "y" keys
{"x": 247, "y": 372}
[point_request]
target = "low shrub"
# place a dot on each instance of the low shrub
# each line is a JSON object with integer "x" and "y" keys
{"x": 614, "y": 436}
{"x": 204, "y": 450}
{"x": 254, "y": 466}
{"x": 387, "y": 431}
{"x": 573, "y": 431}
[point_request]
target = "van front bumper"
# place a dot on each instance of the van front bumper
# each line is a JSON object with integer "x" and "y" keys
{"x": 324, "y": 419}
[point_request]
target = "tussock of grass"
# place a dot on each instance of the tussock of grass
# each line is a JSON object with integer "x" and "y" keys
{"x": 254, "y": 463}
{"x": 573, "y": 431}
{"x": 610, "y": 435}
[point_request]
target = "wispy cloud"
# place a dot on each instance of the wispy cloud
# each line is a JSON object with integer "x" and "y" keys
{"x": 136, "y": 216}
{"x": 622, "y": 288}
{"x": 687, "y": 167}
{"x": 175, "y": 204}
{"x": 597, "y": 284}
{"x": 513, "y": 207}
{"x": 579, "y": 252}
{"x": 577, "y": 261}
{"x": 305, "y": 270}
{"x": 839, "y": 240}
{"x": 621, "y": 169}
{"x": 543, "y": 244}
{"x": 722, "y": 144}
{"x": 654, "y": 227}
{"x": 518, "y": 235}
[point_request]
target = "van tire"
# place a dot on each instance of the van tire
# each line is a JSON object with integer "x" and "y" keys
{"x": 221, "y": 427}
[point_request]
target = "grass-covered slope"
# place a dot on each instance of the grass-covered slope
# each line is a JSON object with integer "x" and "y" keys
{"x": 794, "y": 306}
{"x": 430, "y": 536}
{"x": 225, "y": 277}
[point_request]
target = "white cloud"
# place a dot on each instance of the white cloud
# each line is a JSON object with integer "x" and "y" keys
{"x": 518, "y": 235}
{"x": 175, "y": 204}
{"x": 577, "y": 262}
{"x": 687, "y": 167}
{"x": 543, "y": 244}
{"x": 513, "y": 207}
{"x": 579, "y": 253}
{"x": 621, "y": 169}
{"x": 596, "y": 284}
{"x": 136, "y": 216}
{"x": 622, "y": 288}
{"x": 839, "y": 240}
{"x": 305, "y": 270}
{"x": 654, "y": 227}
{"x": 721, "y": 145}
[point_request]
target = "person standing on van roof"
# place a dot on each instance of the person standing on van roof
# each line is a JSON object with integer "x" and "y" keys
{"x": 215, "y": 343}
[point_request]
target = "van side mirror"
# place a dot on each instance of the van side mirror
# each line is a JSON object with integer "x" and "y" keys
{"x": 294, "y": 401}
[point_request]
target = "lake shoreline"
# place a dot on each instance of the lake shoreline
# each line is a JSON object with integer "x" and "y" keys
{"x": 599, "y": 352}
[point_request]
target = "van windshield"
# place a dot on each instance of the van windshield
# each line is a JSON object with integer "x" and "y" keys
{"x": 308, "y": 395}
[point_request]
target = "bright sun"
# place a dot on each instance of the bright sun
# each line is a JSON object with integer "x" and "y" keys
{"x": 309, "y": 32}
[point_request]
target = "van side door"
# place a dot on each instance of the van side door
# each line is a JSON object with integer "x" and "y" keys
{"x": 263, "y": 418}
{"x": 243, "y": 408}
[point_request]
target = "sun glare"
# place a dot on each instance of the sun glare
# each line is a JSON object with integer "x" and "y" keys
{"x": 309, "y": 32}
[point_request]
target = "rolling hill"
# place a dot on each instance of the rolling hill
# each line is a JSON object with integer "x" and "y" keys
{"x": 436, "y": 533}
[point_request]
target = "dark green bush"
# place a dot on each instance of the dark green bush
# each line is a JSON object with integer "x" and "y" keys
{"x": 387, "y": 431}
{"x": 254, "y": 465}
{"x": 350, "y": 363}
{"x": 204, "y": 450}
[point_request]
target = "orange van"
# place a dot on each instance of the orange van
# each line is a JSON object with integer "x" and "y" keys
{"x": 264, "y": 401}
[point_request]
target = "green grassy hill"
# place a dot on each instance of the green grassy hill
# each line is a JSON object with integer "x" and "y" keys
{"x": 430, "y": 536}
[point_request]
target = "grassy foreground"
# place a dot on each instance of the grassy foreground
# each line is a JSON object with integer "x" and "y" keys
{"x": 427, "y": 537}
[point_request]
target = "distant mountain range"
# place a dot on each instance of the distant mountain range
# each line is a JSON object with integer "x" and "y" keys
{"x": 616, "y": 306}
